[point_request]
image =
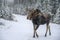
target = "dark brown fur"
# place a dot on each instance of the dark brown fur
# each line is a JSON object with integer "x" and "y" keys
{"x": 38, "y": 18}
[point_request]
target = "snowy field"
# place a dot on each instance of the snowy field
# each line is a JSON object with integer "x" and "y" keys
{"x": 22, "y": 29}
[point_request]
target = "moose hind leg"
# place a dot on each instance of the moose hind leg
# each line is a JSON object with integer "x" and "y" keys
{"x": 46, "y": 29}
{"x": 49, "y": 31}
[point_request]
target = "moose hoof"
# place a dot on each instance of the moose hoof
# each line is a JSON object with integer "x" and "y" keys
{"x": 45, "y": 35}
{"x": 37, "y": 36}
{"x": 33, "y": 36}
{"x": 49, "y": 33}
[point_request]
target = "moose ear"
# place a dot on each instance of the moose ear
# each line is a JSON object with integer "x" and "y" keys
{"x": 38, "y": 10}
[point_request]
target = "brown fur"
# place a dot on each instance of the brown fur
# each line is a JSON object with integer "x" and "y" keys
{"x": 44, "y": 17}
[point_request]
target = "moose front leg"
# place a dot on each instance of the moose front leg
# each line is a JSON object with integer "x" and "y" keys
{"x": 37, "y": 26}
{"x": 37, "y": 34}
{"x": 34, "y": 31}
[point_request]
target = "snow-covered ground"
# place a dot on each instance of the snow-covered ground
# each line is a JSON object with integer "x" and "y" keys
{"x": 22, "y": 29}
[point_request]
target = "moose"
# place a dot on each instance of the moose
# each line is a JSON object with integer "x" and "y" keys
{"x": 38, "y": 18}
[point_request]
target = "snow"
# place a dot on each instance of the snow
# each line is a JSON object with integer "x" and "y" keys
{"x": 22, "y": 29}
